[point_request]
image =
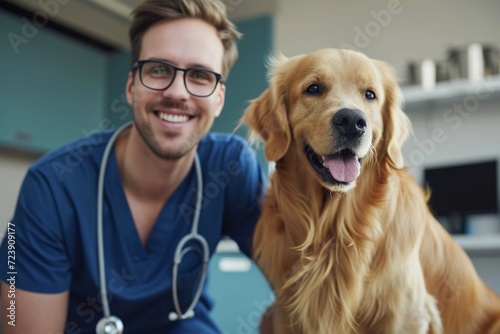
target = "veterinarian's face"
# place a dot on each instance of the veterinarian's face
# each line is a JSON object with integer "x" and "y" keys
{"x": 172, "y": 121}
{"x": 335, "y": 102}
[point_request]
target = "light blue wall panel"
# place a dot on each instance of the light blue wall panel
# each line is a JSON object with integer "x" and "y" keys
{"x": 117, "y": 110}
{"x": 247, "y": 79}
{"x": 52, "y": 87}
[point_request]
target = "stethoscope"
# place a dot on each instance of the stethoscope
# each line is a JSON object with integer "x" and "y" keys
{"x": 111, "y": 324}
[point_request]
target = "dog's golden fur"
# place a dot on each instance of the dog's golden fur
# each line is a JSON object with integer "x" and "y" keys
{"x": 363, "y": 256}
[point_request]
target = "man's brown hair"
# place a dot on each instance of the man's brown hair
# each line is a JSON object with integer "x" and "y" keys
{"x": 213, "y": 12}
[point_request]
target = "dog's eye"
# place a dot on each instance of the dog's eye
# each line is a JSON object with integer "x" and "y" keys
{"x": 370, "y": 95}
{"x": 313, "y": 89}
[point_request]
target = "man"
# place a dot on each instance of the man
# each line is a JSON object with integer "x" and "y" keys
{"x": 181, "y": 52}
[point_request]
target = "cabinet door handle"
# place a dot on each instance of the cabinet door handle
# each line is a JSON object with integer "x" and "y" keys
{"x": 234, "y": 264}
{"x": 22, "y": 136}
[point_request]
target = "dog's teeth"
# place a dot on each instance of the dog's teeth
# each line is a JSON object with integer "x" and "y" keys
{"x": 323, "y": 158}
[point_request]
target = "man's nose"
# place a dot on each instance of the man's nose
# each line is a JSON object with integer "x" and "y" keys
{"x": 177, "y": 88}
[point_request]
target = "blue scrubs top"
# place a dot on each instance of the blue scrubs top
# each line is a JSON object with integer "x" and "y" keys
{"x": 55, "y": 234}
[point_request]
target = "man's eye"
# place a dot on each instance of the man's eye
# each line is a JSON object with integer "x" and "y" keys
{"x": 199, "y": 75}
{"x": 159, "y": 70}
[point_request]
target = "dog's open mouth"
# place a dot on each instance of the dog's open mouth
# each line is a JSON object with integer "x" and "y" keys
{"x": 342, "y": 167}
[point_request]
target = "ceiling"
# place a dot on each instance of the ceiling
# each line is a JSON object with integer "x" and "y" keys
{"x": 108, "y": 20}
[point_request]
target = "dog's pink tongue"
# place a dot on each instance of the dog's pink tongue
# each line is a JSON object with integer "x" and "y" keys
{"x": 344, "y": 168}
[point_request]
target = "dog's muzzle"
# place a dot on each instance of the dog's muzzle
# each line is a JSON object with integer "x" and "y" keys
{"x": 343, "y": 165}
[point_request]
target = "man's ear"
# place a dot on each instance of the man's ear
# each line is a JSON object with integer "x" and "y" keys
{"x": 128, "y": 88}
{"x": 221, "y": 98}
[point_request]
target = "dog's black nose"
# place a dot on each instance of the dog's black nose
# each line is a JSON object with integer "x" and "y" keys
{"x": 349, "y": 122}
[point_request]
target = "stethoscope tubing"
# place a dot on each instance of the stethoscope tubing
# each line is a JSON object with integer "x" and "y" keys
{"x": 100, "y": 237}
{"x": 193, "y": 235}
{"x": 114, "y": 324}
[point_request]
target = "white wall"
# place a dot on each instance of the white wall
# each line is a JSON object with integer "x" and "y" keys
{"x": 416, "y": 29}
{"x": 471, "y": 137}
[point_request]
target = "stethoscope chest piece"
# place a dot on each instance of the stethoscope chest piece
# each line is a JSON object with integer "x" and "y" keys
{"x": 109, "y": 325}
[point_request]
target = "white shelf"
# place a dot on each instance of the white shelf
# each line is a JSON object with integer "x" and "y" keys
{"x": 452, "y": 90}
{"x": 489, "y": 243}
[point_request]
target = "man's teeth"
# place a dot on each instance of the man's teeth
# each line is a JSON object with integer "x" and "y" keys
{"x": 174, "y": 118}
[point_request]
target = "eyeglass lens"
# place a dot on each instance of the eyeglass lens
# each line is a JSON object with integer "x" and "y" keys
{"x": 159, "y": 76}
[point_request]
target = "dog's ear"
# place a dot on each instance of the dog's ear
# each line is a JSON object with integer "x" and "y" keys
{"x": 267, "y": 115}
{"x": 396, "y": 123}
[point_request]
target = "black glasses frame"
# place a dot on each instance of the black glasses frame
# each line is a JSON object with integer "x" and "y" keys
{"x": 140, "y": 63}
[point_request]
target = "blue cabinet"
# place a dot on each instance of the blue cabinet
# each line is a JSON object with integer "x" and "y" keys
{"x": 52, "y": 87}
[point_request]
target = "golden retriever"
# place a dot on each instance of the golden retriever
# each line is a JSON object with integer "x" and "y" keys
{"x": 346, "y": 238}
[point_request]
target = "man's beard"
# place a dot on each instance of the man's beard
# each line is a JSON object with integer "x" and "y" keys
{"x": 170, "y": 152}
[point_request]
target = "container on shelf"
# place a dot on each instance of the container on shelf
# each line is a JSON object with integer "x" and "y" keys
{"x": 473, "y": 62}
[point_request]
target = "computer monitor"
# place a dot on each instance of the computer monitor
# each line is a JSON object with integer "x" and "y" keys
{"x": 461, "y": 190}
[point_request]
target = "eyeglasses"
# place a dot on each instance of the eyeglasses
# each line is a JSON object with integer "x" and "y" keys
{"x": 159, "y": 75}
